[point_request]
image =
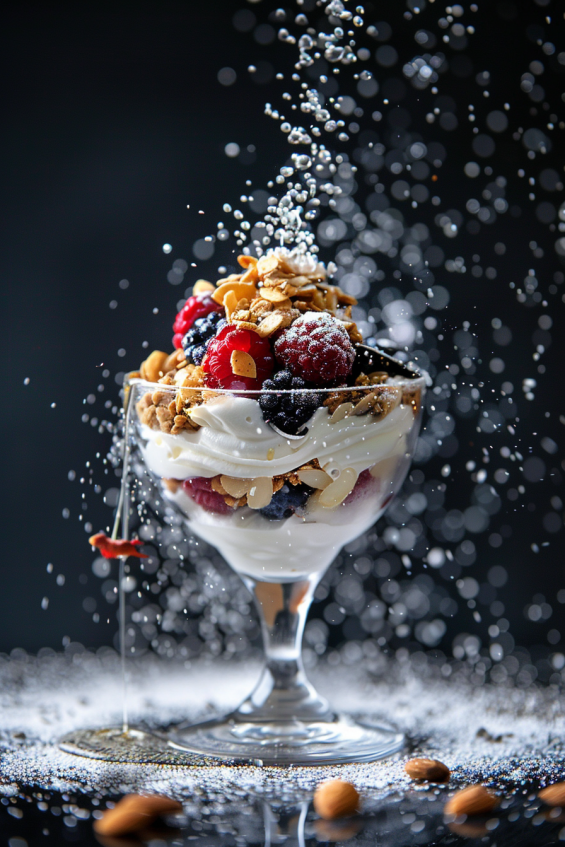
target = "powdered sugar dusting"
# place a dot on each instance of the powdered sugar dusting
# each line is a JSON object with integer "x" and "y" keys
{"x": 301, "y": 261}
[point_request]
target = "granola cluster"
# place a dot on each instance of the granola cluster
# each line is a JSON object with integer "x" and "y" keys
{"x": 266, "y": 297}
{"x": 261, "y": 302}
{"x": 270, "y": 295}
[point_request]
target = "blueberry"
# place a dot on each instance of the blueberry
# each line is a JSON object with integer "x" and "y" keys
{"x": 286, "y": 501}
{"x": 202, "y": 330}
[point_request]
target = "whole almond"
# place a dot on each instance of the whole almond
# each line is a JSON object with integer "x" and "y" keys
{"x": 430, "y": 770}
{"x": 473, "y": 800}
{"x": 553, "y": 795}
{"x": 133, "y": 813}
{"x": 336, "y": 799}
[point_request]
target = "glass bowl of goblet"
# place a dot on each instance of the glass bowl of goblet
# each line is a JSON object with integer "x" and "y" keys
{"x": 279, "y": 506}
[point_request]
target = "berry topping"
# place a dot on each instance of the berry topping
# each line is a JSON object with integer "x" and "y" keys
{"x": 197, "y": 306}
{"x": 221, "y": 368}
{"x": 366, "y": 484}
{"x": 289, "y": 412}
{"x": 286, "y": 501}
{"x": 201, "y": 491}
{"x": 317, "y": 347}
{"x": 200, "y": 333}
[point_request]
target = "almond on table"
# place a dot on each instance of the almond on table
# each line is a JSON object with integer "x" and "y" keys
{"x": 430, "y": 770}
{"x": 134, "y": 812}
{"x": 336, "y": 799}
{"x": 553, "y": 795}
{"x": 470, "y": 801}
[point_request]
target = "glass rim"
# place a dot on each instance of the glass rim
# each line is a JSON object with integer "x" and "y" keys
{"x": 404, "y": 382}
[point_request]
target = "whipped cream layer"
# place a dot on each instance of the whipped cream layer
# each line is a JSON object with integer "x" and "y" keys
{"x": 235, "y": 440}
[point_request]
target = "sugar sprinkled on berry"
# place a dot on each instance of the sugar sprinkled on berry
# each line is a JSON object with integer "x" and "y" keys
{"x": 289, "y": 412}
{"x": 317, "y": 347}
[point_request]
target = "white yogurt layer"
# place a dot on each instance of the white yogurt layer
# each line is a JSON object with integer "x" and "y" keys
{"x": 291, "y": 549}
{"x": 235, "y": 440}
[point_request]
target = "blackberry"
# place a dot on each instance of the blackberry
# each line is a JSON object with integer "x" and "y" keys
{"x": 200, "y": 333}
{"x": 286, "y": 501}
{"x": 289, "y": 412}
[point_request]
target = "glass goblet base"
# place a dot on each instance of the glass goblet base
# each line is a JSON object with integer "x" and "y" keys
{"x": 340, "y": 740}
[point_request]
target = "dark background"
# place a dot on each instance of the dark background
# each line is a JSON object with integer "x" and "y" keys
{"x": 113, "y": 122}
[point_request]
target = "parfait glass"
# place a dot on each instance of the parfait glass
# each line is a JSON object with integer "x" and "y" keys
{"x": 279, "y": 507}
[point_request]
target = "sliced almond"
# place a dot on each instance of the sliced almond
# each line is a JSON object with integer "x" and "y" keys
{"x": 240, "y": 289}
{"x": 339, "y": 489}
{"x": 261, "y": 492}
{"x": 201, "y": 286}
{"x": 342, "y": 411}
{"x": 267, "y": 264}
{"x": 366, "y": 403}
{"x": 242, "y": 364}
{"x": 315, "y": 479}
{"x": 235, "y": 487}
{"x": 273, "y": 295}
{"x": 299, "y": 281}
{"x": 273, "y": 322}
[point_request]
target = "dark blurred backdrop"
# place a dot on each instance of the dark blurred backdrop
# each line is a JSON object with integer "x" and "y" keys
{"x": 113, "y": 121}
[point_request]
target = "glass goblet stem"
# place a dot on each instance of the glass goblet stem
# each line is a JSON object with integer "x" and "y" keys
{"x": 283, "y": 692}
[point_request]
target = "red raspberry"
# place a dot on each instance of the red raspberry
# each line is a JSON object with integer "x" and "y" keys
{"x": 317, "y": 348}
{"x": 366, "y": 484}
{"x": 217, "y": 362}
{"x": 197, "y": 306}
{"x": 201, "y": 491}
